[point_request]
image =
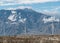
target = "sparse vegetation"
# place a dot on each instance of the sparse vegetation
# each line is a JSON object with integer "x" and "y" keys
{"x": 31, "y": 39}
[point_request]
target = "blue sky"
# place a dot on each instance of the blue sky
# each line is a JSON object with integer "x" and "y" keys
{"x": 44, "y": 6}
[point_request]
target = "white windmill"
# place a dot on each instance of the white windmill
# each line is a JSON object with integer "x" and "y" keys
{"x": 4, "y": 30}
{"x": 23, "y": 20}
{"x": 51, "y": 19}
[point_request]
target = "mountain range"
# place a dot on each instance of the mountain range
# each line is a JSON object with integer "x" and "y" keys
{"x": 27, "y": 21}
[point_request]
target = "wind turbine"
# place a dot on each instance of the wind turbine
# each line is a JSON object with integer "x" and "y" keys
{"x": 23, "y": 20}
{"x": 4, "y": 33}
{"x": 54, "y": 20}
{"x": 51, "y": 20}
{"x": 3, "y": 29}
{"x": 52, "y": 25}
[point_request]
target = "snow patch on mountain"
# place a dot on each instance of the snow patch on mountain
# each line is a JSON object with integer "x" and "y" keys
{"x": 12, "y": 18}
{"x": 13, "y": 12}
{"x": 22, "y": 20}
{"x": 51, "y": 19}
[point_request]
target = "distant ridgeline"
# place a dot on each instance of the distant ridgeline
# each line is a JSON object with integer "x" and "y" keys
{"x": 27, "y": 22}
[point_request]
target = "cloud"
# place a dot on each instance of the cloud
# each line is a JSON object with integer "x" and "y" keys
{"x": 34, "y": 1}
{"x": 53, "y": 11}
{"x": 31, "y": 1}
{"x": 19, "y": 7}
{"x": 14, "y": 2}
{"x": 2, "y": 4}
{"x": 23, "y": 7}
{"x": 50, "y": 12}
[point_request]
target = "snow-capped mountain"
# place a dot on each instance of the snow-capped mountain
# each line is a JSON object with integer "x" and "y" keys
{"x": 51, "y": 19}
{"x": 27, "y": 21}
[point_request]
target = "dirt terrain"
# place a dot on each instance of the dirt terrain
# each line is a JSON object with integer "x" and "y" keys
{"x": 30, "y": 39}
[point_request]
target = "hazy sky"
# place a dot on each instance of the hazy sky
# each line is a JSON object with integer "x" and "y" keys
{"x": 44, "y": 6}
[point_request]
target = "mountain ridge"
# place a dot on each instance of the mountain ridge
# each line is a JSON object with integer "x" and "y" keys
{"x": 17, "y": 22}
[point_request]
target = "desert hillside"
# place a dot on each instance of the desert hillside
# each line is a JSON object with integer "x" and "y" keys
{"x": 31, "y": 39}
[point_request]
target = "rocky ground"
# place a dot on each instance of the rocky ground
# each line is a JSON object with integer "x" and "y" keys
{"x": 30, "y": 39}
